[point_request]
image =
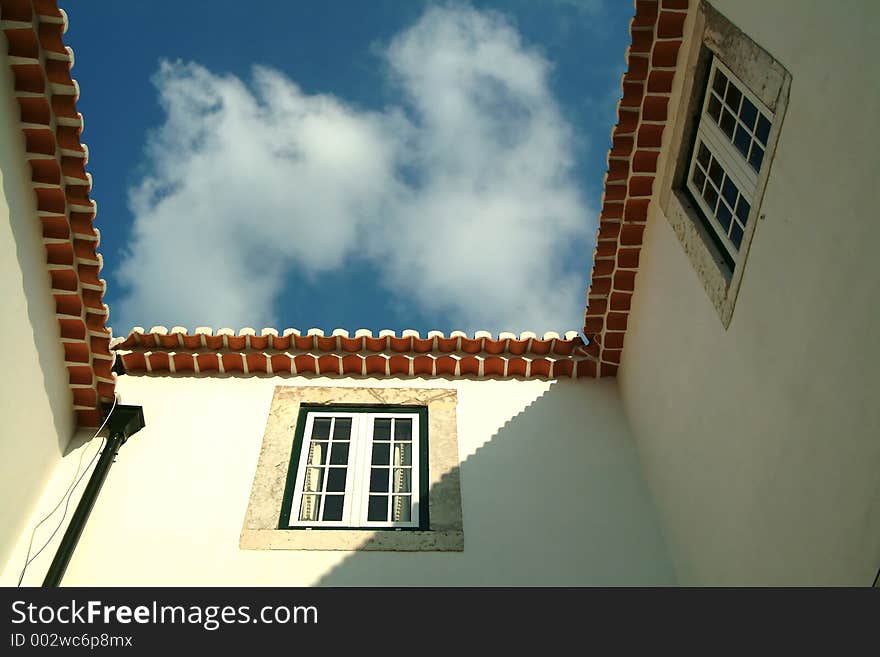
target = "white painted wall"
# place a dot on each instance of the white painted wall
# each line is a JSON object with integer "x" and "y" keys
{"x": 550, "y": 484}
{"x": 762, "y": 443}
{"x": 36, "y": 406}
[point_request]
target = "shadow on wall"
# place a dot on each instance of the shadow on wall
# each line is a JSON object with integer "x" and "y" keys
{"x": 26, "y": 230}
{"x": 550, "y": 499}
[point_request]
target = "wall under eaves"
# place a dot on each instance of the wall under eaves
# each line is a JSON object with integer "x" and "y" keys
{"x": 36, "y": 405}
{"x": 551, "y": 491}
{"x": 761, "y": 442}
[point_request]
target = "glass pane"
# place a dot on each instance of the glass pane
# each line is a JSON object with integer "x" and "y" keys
{"x": 401, "y": 508}
{"x": 379, "y": 480}
{"x": 332, "y": 507}
{"x": 730, "y": 192}
{"x": 742, "y": 141}
{"x": 719, "y": 84}
{"x": 321, "y": 428}
{"x": 336, "y": 480}
{"x": 403, "y": 429}
{"x": 317, "y": 454}
{"x": 728, "y": 123}
{"x": 703, "y": 156}
{"x": 714, "y": 107}
{"x": 699, "y": 178}
{"x": 308, "y": 510}
{"x": 733, "y": 97}
{"x": 381, "y": 453}
{"x": 736, "y": 235}
{"x": 763, "y": 129}
{"x": 711, "y": 197}
{"x": 716, "y": 173}
{"x": 402, "y": 454}
{"x": 382, "y": 429}
{"x": 742, "y": 210}
{"x": 724, "y": 215}
{"x": 377, "y": 509}
{"x": 342, "y": 428}
{"x": 313, "y": 480}
{"x": 748, "y": 113}
{"x": 756, "y": 157}
{"x": 402, "y": 480}
{"x": 339, "y": 454}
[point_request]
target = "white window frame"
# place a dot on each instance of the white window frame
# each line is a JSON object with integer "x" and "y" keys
{"x": 357, "y": 482}
{"x": 735, "y": 165}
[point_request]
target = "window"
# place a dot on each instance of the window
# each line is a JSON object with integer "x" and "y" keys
{"x": 732, "y": 133}
{"x": 357, "y": 468}
{"x": 336, "y": 474}
{"x": 730, "y": 99}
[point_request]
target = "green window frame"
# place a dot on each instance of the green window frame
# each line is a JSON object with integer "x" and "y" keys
{"x": 350, "y": 502}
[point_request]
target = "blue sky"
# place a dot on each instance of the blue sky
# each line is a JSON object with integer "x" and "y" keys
{"x": 391, "y": 164}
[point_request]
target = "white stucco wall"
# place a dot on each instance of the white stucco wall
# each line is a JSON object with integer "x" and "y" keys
{"x": 761, "y": 443}
{"x": 36, "y": 405}
{"x": 551, "y": 493}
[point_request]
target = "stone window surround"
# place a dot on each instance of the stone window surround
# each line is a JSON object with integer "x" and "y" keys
{"x": 714, "y": 35}
{"x": 260, "y": 530}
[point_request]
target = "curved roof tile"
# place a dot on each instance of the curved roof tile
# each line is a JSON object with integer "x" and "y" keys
{"x": 46, "y": 95}
{"x": 656, "y": 31}
{"x": 363, "y": 354}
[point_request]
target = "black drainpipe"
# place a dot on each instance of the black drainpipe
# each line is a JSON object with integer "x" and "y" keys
{"x": 124, "y": 422}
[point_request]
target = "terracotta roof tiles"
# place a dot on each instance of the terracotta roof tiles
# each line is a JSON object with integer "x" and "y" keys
{"x": 656, "y": 32}
{"x": 46, "y": 96}
{"x": 339, "y": 353}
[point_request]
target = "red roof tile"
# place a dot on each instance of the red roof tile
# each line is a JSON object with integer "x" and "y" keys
{"x": 642, "y": 114}
{"x": 46, "y": 96}
{"x": 363, "y": 354}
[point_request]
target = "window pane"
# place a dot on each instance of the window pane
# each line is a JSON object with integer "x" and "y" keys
{"x": 748, "y": 113}
{"x": 733, "y": 97}
{"x": 308, "y": 510}
{"x": 730, "y": 192}
{"x": 402, "y": 454}
{"x": 336, "y": 480}
{"x": 339, "y": 454}
{"x": 728, "y": 123}
{"x": 342, "y": 428}
{"x": 377, "y": 509}
{"x": 699, "y": 178}
{"x": 714, "y": 108}
{"x": 401, "y": 508}
{"x": 716, "y": 173}
{"x": 317, "y": 454}
{"x": 403, "y": 429}
{"x": 402, "y": 480}
{"x": 313, "y": 480}
{"x": 724, "y": 215}
{"x": 379, "y": 480}
{"x": 763, "y": 129}
{"x": 757, "y": 157}
{"x": 742, "y": 210}
{"x": 321, "y": 428}
{"x": 382, "y": 429}
{"x": 742, "y": 141}
{"x": 719, "y": 84}
{"x": 332, "y": 507}
{"x": 381, "y": 453}
{"x": 736, "y": 235}
{"x": 711, "y": 197}
{"x": 703, "y": 155}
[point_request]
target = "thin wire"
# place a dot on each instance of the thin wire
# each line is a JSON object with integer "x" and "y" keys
{"x": 77, "y": 477}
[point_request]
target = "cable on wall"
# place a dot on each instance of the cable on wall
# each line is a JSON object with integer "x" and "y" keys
{"x": 65, "y": 499}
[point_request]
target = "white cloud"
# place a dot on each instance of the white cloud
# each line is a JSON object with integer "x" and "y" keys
{"x": 463, "y": 194}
